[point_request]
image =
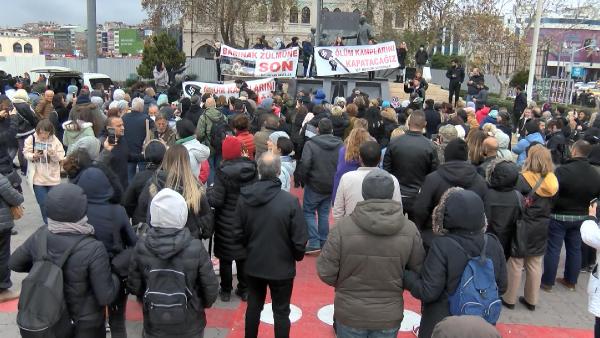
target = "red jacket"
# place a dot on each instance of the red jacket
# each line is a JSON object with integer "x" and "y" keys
{"x": 482, "y": 113}
{"x": 204, "y": 171}
{"x": 247, "y": 140}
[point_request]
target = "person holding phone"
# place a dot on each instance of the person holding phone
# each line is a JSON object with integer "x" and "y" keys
{"x": 44, "y": 152}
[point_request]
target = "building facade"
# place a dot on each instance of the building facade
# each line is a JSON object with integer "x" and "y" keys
{"x": 19, "y": 45}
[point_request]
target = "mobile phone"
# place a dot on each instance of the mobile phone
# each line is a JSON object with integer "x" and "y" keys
{"x": 112, "y": 137}
{"x": 595, "y": 200}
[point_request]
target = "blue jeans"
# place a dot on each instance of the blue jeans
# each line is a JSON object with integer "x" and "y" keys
{"x": 133, "y": 168}
{"x": 319, "y": 203}
{"x": 41, "y": 192}
{"x": 557, "y": 232}
{"x": 214, "y": 161}
{"x": 343, "y": 331}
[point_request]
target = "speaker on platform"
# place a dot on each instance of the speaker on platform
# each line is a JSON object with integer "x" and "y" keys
{"x": 409, "y": 73}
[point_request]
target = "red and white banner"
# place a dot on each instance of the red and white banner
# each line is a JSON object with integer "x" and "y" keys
{"x": 355, "y": 59}
{"x": 259, "y": 62}
{"x": 262, "y": 88}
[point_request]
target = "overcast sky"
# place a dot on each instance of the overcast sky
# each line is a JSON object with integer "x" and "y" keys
{"x": 16, "y": 13}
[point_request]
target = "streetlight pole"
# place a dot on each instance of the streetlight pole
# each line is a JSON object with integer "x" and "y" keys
{"x": 318, "y": 31}
{"x": 91, "y": 37}
{"x": 534, "y": 48}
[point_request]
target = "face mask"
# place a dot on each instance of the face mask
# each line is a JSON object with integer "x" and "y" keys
{"x": 153, "y": 118}
{"x": 421, "y": 48}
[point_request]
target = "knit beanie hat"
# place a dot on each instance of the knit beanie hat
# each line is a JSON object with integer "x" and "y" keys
{"x": 471, "y": 104}
{"x": 385, "y": 104}
{"x": 168, "y": 210}
{"x": 66, "y": 202}
{"x": 232, "y": 148}
{"x": 81, "y": 99}
{"x": 154, "y": 152}
{"x": 378, "y": 184}
{"x": 456, "y": 150}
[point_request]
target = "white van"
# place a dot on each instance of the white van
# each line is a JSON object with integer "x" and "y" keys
{"x": 59, "y": 78}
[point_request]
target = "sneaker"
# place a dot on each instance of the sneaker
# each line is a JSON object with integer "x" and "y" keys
{"x": 312, "y": 251}
{"x": 507, "y": 305}
{"x": 565, "y": 283}
{"x": 242, "y": 294}
{"x": 225, "y": 296}
{"x": 527, "y": 305}
{"x": 547, "y": 288}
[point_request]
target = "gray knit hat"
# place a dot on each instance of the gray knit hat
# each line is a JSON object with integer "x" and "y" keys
{"x": 168, "y": 209}
{"x": 378, "y": 184}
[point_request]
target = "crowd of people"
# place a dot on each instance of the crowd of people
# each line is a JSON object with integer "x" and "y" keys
{"x": 130, "y": 184}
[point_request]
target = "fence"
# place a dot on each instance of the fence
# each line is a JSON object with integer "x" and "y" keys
{"x": 123, "y": 69}
{"x": 17, "y": 64}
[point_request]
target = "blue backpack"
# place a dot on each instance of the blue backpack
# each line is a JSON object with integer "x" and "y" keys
{"x": 477, "y": 293}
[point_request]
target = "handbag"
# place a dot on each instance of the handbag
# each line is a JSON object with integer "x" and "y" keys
{"x": 17, "y": 212}
{"x": 518, "y": 247}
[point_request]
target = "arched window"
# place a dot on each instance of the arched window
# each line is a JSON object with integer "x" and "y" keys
{"x": 399, "y": 20}
{"x": 275, "y": 11}
{"x": 28, "y": 48}
{"x": 325, "y": 10}
{"x": 388, "y": 17}
{"x": 17, "y": 48}
{"x": 294, "y": 14}
{"x": 205, "y": 51}
{"x": 305, "y": 15}
{"x": 337, "y": 10}
{"x": 262, "y": 13}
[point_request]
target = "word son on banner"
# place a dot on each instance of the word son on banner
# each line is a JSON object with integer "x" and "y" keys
{"x": 262, "y": 88}
{"x": 334, "y": 60}
{"x": 259, "y": 62}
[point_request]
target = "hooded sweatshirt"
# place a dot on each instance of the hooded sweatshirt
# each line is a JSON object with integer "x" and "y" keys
{"x": 503, "y": 146}
{"x": 369, "y": 296}
{"x": 198, "y": 152}
{"x": 274, "y": 230}
{"x": 319, "y": 162}
{"x": 46, "y": 169}
{"x": 521, "y": 147}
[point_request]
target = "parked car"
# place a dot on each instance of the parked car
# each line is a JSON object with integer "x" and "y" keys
{"x": 59, "y": 78}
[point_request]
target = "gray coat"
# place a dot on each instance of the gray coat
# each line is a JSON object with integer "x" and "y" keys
{"x": 9, "y": 197}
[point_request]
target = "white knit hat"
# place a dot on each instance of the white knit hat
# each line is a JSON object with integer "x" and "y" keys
{"x": 168, "y": 210}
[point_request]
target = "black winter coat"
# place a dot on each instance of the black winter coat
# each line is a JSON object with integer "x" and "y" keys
{"x": 9, "y": 197}
{"x": 477, "y": 82}
{"x": 376, "y": 129}
{"x": 133, "y": 193}
{"x": 433, "y": 121}
{"x": 274, "y": 230}
{"x": 88, "y": 282}
{"x": 450, "y": 174}
{"x": 579, "y": 183}
{"x": 410, "y": 158}
{"x": 200, "y": 225}
{"x": 193, "y": 114}
{"x": 319, "y": 162}
{"x": 27, "y": 120}
{"x": 388, "y": 128}
{"x": 175, "y": 249}
{"x": 340, "y": 123}
{"x": 223, "y": 196}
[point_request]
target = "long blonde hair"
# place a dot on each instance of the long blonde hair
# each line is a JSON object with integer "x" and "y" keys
{"x": 539, "y": 160}
{"x": 357, "y": 137}
{"x": 176, "y": 164}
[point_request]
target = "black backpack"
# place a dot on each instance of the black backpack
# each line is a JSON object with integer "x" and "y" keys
{"x": 42, "y": 307}
{"x": 166, "y": 297}
{"x": 219, "y": 130}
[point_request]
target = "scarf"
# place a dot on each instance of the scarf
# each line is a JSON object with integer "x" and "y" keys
{"x": 79, "y": 227}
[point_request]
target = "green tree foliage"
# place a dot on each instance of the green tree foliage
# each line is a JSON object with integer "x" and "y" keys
{"x": 161, "y": 48}
{"x": 520, "y": 78}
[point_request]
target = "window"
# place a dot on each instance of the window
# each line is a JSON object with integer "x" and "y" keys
{"x": 305, "y": 15}
{"x": 275, "y": 11}
{"x": 28, "y": 48}
{"x": 262, "y": 13}
{"x": 399, "y": 20}
{"x": 325, "y": 10}
{"x": 17, "y": 48}
{"x": 388, "y": 17}
{"x": 337, "y": 10}
{"x": 294, "y": 14}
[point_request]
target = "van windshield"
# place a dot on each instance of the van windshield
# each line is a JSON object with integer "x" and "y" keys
{"x": 105, "y": 82}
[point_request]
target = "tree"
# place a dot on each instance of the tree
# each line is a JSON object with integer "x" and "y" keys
{"x": 160, "y": 48}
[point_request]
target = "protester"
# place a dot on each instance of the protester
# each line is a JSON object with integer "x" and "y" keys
{"x": 462, "y": 236}
{"x": 557, "y": 142}
{"x": 373, "y": 117}
{"x": 240, "y": 126}
{"x": 590, "y": 235}
{"x": 84, "y": 109}
{"x": 519, "y": 105}
{"x": 489, "y": 150}
{"x": 349, "y": 191}
{"x": 74, "y": 130}
{"x": 446, "y": 134}
{"x": 579, "y": 183}
{"x": 197, "y": 151}
{"x": 149, "y": 99}
{"x": 234, "y": 172}
{"x": 456, "y": 75}
{"x": 421, "y": 58}
{"x": 163, "y": 132}
{"x": 455, "y": 172}
{"x": 88, "y": 284}
{"x": 539, "y": 185}
{"x": 280, "y": 144}
{"x": 475, "y": 83}
{"x": 270, "y": 125}
{"x": 390, "y": 123}
{"x": 339, "y": 121}
{"x": 9, "y": 197}
{"x": 318, "y": 167}
{"x": 263, "y": 211}
{"x": 137, "y": 126}
{"x": 119, "y": 154}
{"x": 410, "y": 158}
{"x": 433, "y": 118}
{"x": 26, "y": 121}
{"x": 204, "y": 132}
{"x": 369, "y": 301}
{"x": 171, "y": 268}
{"x": 44, "y": 153}
{"x": 349, "y": 156}
{"x": 161, "y": 77}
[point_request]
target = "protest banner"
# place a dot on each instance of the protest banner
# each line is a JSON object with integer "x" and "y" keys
{"x": 334, "y": 60}
{"x": 262, "y": 88}
{"x": 259, "y": 62}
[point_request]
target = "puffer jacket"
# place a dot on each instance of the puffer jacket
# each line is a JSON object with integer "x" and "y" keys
{"x": 369, "y": 296}
{"x": 536, "y": 218}
{"x": 288, "y": 166}
{"x": 450, "y": 174}
{"x": 319, "y": 162}
{"x": 223, "y": 196}
{"x": 197, "y": 151}
{"x": 521, "y": 147}
{"x": 74, "y": 130}
{"x": 175, "y": 249}
{"x": 502, "y": 202}
{"x": 199, "y": 224}
{"x": 340, "y": 123}
{"x": 445, "y": 263}
{"x": 134, "y": 191}
{"x": 26, "y": 118}
{"x": 88, "y": 282}
{"x": 9, "y": 197}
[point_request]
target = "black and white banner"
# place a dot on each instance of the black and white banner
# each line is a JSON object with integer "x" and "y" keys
{"x": 355, "y": 59}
